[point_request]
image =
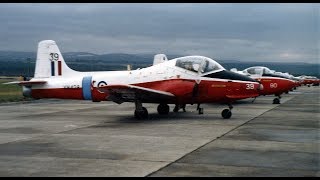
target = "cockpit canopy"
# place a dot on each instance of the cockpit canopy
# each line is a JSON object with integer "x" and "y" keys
{"x": 198, "y": 64}
{"x": 259, "y": 70}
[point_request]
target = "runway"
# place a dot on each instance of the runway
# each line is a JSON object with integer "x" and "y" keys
{"x": 82, "y": 138}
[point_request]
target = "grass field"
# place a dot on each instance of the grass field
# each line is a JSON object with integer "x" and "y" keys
{"x": 10, "y": 92}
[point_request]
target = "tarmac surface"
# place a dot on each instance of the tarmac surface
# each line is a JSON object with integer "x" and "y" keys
{"x": 82, "y": 138}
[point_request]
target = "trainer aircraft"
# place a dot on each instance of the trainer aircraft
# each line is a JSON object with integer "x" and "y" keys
{"x": 274, "y": 83}
{"x": 179, "y": 81}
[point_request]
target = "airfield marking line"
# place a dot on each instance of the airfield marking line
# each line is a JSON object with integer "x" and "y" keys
{"x": 258, "y": 167}
{"x": 217, "y": 138}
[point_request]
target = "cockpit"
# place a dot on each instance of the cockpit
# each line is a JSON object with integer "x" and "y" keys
{"x": 198, "y": 64}
{"x": 259, "y": 70}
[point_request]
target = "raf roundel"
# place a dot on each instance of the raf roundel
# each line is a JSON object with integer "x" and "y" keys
{"x": 102, "y": 83}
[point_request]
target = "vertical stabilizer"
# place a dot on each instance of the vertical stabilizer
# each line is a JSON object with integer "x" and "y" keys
{"x": 159, "y": 58}
{"x": 50, "y": 62}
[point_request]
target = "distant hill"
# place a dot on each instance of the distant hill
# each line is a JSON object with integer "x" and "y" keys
{"x": 15, "y": 63}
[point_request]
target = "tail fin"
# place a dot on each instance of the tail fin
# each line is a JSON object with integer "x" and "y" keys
{"x": 159, "y": 58}
{"x": 234, "y": 70}
{"x": 50, "y": 62}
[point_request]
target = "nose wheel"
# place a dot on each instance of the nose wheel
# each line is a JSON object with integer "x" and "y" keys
{"x": 226, "y": 113}
{"x": 277, "y": 100}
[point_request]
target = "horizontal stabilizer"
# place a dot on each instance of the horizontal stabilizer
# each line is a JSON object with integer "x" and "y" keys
{"x": 26, "y": 83}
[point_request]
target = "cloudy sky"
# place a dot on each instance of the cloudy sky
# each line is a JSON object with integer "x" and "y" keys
{"x": 251, "y": 32}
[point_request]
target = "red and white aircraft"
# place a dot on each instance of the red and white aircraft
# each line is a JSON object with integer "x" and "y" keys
{"x": 274, "y": 83}
{"x": 180, "y": 81}
{"x": 308, "y": 80}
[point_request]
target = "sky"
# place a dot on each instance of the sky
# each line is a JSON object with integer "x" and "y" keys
{"x": 260, "y": 32}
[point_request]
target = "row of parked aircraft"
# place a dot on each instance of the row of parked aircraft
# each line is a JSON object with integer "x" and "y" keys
{"x": 179, "y": 81}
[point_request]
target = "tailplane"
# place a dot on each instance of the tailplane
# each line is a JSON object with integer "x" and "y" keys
{"x": 50, "y": 62}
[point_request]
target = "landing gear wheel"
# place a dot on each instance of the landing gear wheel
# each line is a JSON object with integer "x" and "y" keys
{"x": 200, "y": 110}
{"x": 276, "y": 101}
{"x": 163, "y": 109}
{"x": 176, "y": 109}
{"x": 226, "y": 113}
{"x": 142, "y": 114}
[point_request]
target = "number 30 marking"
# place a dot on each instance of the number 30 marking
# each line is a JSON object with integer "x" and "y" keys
{"x": 249, "y": 86}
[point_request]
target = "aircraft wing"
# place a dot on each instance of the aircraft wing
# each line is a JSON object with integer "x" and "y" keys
{"x": 130, "y": 93}
{"x": 26, "y": 83}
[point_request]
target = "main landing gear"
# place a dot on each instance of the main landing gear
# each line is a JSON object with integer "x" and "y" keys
{"x": 140, "y": 112}
{"x": 178, "y": 107}
{"x": 199, "y": 109}
{"x": 226, "y": 113}
{"x": 163, "y": 109}
{"x": 277, "y": 100}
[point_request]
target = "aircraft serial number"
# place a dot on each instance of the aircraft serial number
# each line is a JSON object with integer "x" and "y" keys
{"x": 71, "y": 86}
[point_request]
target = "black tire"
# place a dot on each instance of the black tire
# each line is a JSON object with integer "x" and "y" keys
{"x": 226, "y": 113}
{"x": 163, "y": 109}
{"x": 141, "y": 114}
{"x": 176, "y": 109}
{"x": 276, "y": 101}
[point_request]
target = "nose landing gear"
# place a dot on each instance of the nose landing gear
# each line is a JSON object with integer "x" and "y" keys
{"x": 277, "y": 100}
{"x": 226, "y": 113}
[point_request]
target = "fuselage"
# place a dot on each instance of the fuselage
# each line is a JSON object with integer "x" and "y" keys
{"x": 218, "y": 85}
{"x": 274, "y": 83}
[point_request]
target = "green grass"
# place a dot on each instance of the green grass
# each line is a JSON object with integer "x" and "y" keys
{"x": 10, "y": 92}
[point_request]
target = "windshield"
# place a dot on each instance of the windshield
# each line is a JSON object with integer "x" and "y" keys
{"x": 255, "y": 70}
{"x": 267, "y": 71}
{"x": 198, "y": 64}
